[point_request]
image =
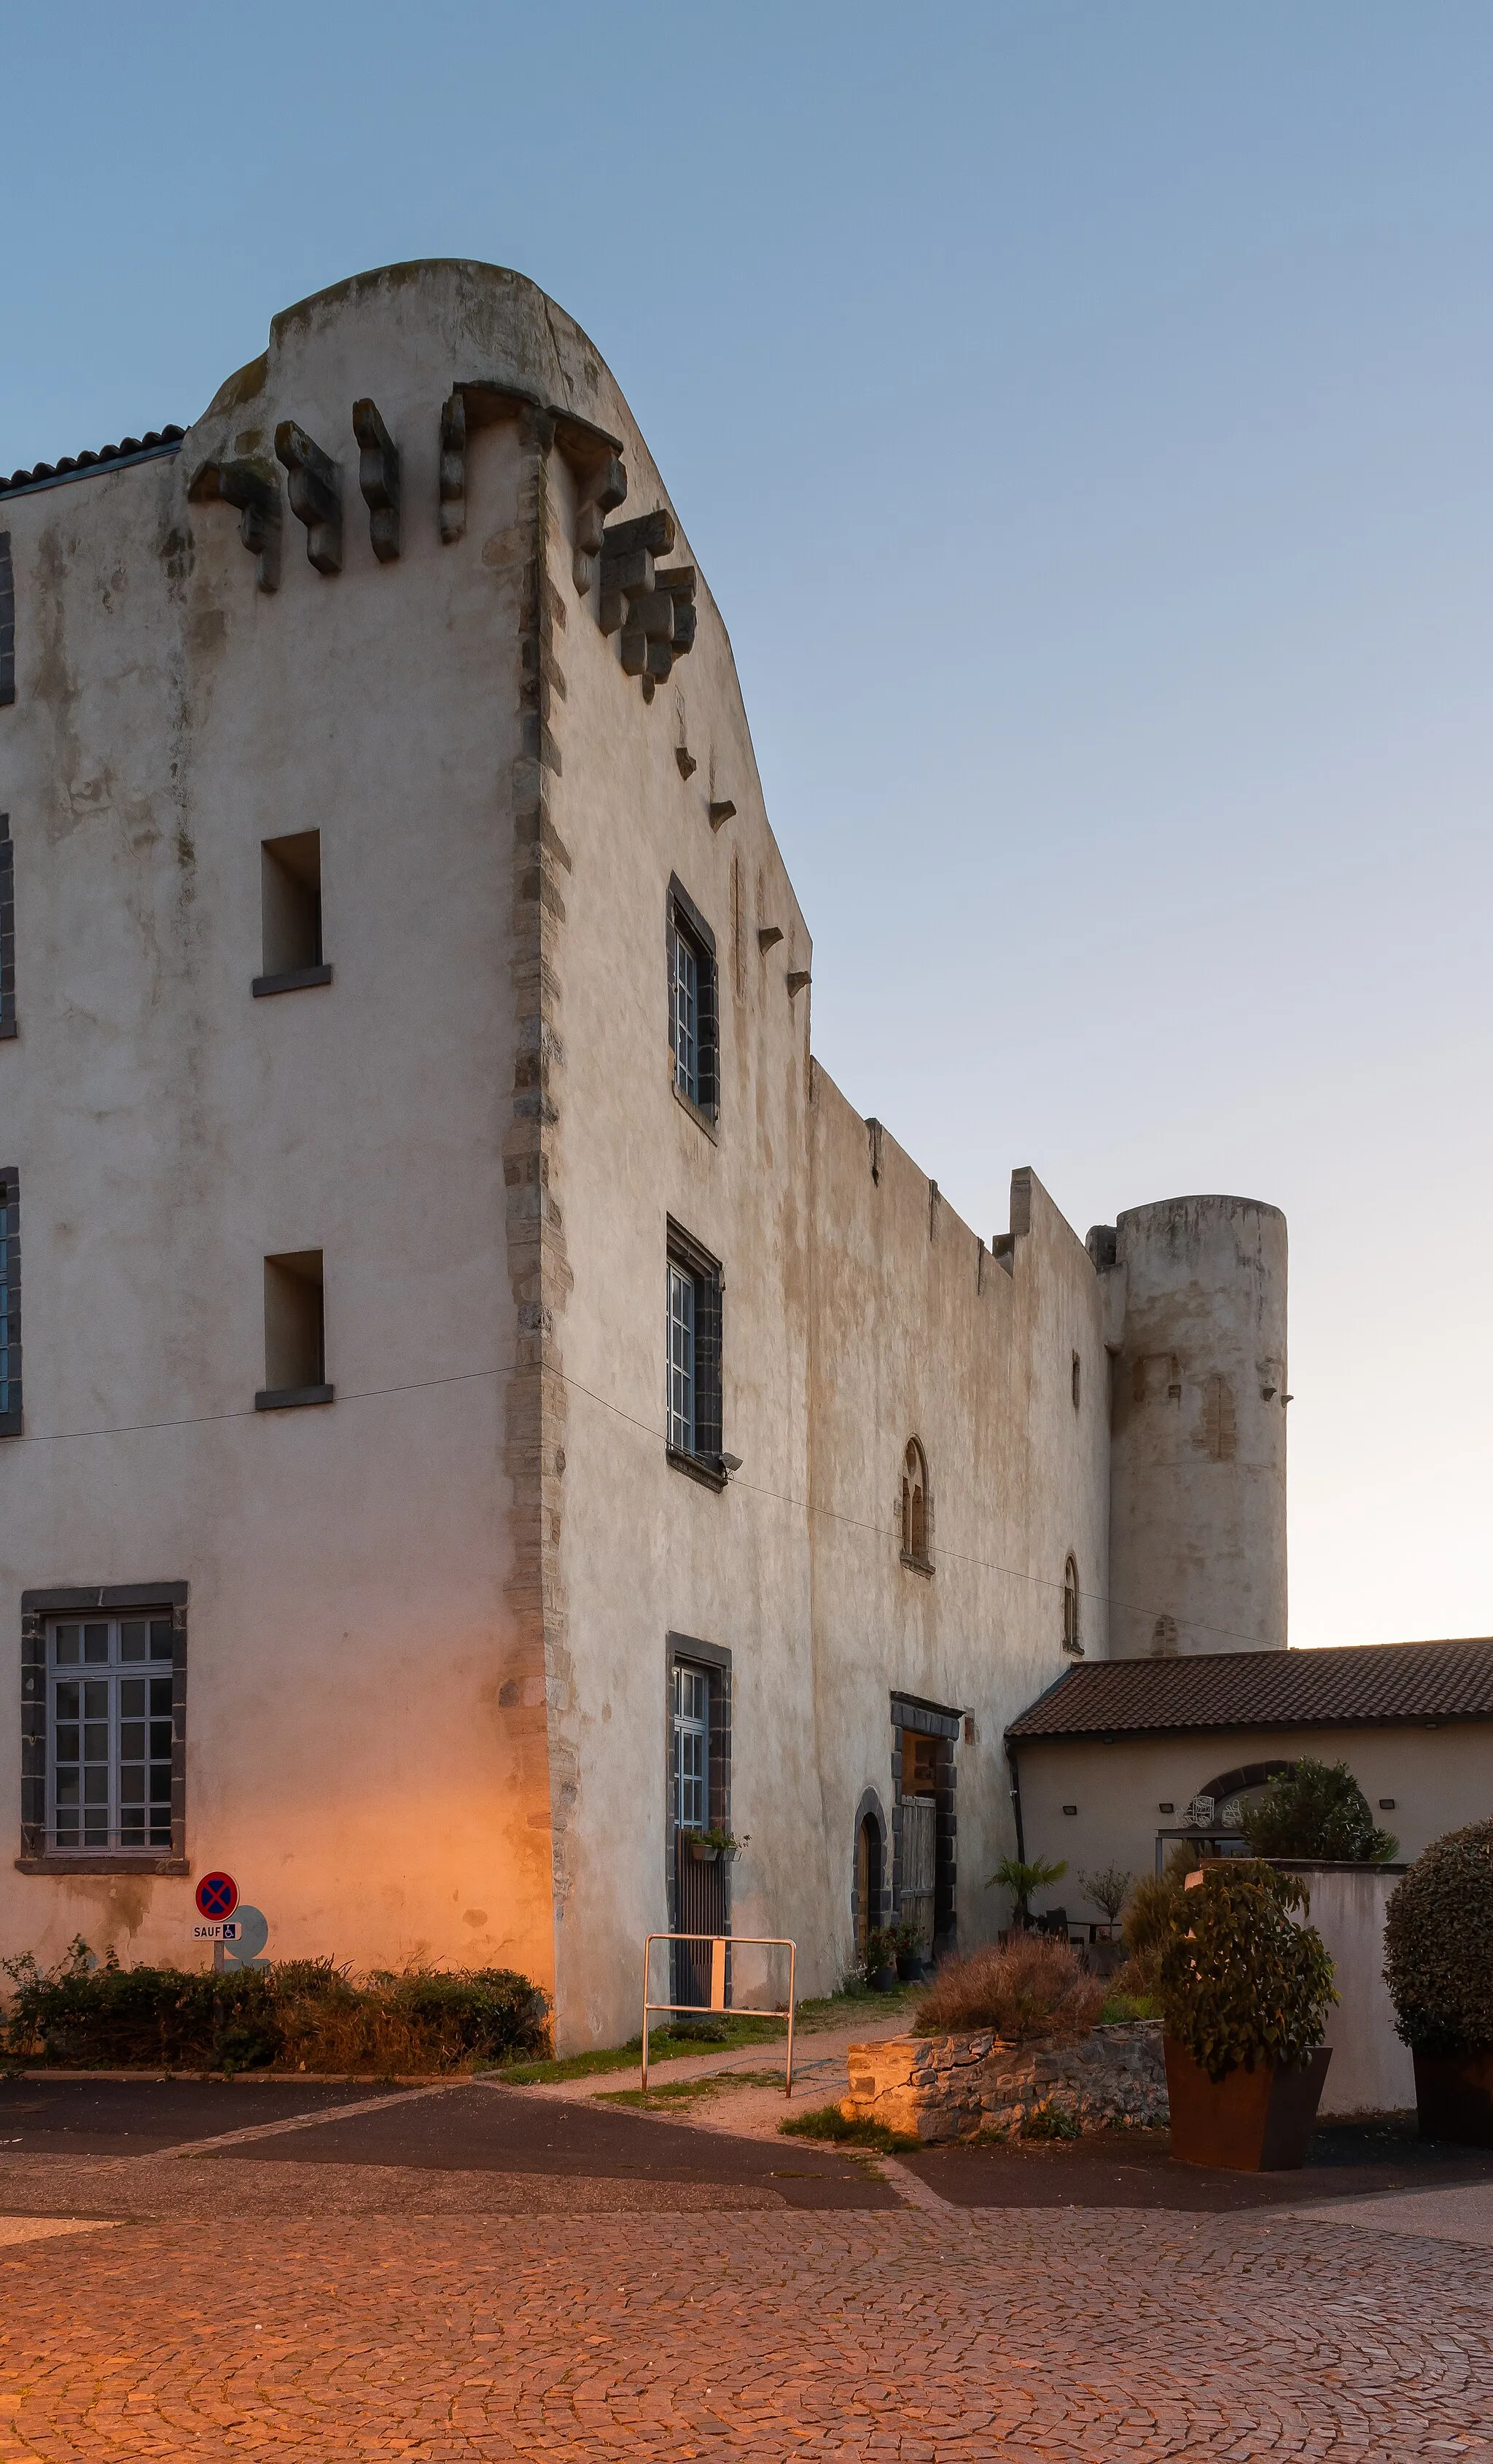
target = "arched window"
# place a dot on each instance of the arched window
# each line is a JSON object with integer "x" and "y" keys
{"x": 916, "y": 1513}
{"x": 1072, "y": 1637}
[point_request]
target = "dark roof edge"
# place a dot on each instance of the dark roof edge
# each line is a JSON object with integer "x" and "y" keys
{"x": 89, "y": 469}
{"x": 1113, "y": 1728}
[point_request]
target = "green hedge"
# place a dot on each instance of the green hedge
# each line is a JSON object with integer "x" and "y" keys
{"x": 1439, "y": 1946}
{"x": 303, "y": 2013}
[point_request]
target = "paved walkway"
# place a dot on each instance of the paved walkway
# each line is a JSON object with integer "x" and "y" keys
{"x": 919, "y": 2335}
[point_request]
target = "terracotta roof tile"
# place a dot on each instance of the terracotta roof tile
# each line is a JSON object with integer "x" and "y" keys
{"x": 1366, "y": 1685}
{"x": 129, "y": 449}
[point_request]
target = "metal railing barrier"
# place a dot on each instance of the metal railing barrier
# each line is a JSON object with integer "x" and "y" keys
{"x": 721, "y": 1944}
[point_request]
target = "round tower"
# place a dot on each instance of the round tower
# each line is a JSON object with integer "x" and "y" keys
{"x": 1197, "y": 1428}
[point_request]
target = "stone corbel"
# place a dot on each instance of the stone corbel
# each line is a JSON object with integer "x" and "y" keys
{"x": 315, "y": 494}
{"x": 653, "y": 612}
{"x": 253, "y": 488}
{"x": 603, "y": 488}
{"x": 593, "y": 455}
{"x": 378, "y": 477}
{"x": 454, "y": 467}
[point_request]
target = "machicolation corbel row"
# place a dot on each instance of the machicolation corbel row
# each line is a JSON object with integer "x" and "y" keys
{"x": 650, "y": 608}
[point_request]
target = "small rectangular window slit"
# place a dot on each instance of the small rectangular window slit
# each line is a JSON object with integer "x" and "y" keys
{"x": 294, "y": 1333}
{"x": 290, "y": 888}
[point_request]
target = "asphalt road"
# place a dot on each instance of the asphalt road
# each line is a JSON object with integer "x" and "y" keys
{"x": 140, "y": 2117}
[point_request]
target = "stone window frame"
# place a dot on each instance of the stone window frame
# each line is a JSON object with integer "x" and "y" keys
{"x": 684, "y": 920}
{"x": 7, "y": 622}
{"x": 871, "y": 1810}
{"x": 11, "y": 1418}
{"x": 110, "y": 1599}
{"x": 689, "y": 1651}
{"x": 1073, "y": 1607}
{"x": 915, "y": 1462}
{"x": 938, "y": 1721}
{"x": 686, "y": 1255}
{"x": 7, "y": 1025}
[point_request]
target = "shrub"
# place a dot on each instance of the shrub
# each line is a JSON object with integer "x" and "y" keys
{"x": 304, "y": 2014}
{"x": 1107, "y": 1889}
{"x": 1439, "y": 1946}
{"x": 1241, "y": 1981}
{"x": 1031, "y": 1990}
{"x": 1316, "y": 1810}
{"x": 828, "y": 2122}
{"x": 1154, "y": 1906}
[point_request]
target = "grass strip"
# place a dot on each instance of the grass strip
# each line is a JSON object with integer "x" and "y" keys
{"x": 828, "y": 2123}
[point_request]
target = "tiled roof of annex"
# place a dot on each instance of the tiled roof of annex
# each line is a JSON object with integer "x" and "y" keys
{"x": 130, "y": 449}
{"x": 1363, "y": 1685}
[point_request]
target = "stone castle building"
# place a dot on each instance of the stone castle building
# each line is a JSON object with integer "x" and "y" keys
{"x": 478, "y": 1409}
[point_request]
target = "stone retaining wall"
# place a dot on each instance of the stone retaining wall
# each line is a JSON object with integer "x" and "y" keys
{"x": 962, "y": 2087}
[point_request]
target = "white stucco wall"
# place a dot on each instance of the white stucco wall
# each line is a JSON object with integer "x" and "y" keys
{"x": 428, "y": 1624}
{"x": 1372, "y": 2070}
{"x": 1439, "y": 1777}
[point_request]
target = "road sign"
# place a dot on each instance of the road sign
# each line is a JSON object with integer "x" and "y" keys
{"x": 217, "y": 1895}
{"x": 228, "y": 1931}
{"x": 245, "y": 1938}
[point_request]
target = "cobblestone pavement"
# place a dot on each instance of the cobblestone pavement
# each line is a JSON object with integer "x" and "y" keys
{"x": 919, "y": 2336}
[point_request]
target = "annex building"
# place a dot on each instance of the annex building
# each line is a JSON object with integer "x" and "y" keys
{"x": 479, "y": 1411}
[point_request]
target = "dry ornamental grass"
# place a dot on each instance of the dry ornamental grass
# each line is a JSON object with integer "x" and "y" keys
{"x": 1029, "y": 1990}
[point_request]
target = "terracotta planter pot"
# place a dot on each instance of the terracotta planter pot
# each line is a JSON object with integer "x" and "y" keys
{"x": 702, "y": 1853}
{"x": 1248, "y": 2122}
{"x": 1454, "y": 2096}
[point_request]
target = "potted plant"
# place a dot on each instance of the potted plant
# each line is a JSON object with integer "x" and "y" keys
{"x": 911, "y": 1968}
{"x": 879, "y": 1959}
{"x": 704, "y": 1846}
{"x": 1244, "y": 1995}
{"x": 1439, "y": 1966}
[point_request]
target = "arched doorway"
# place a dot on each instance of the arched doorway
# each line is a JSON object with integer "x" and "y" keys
{"x": 867, "y": 1877}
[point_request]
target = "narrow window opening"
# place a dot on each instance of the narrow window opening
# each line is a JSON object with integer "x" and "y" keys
{"x": 10, "y": 1306}
{"x": 290, "y": 882}
{"x": 917, "y": 1509}
{"x": 7, "y": 620}
{"x": 294, "y": 1333}
{"x": 1078, "y": 1373}
{"x": 693, "y": 1354}
{"x": 6, "y": 928}
{"x": 693, "y": 1005}
{"x": 1072, "y": 1637}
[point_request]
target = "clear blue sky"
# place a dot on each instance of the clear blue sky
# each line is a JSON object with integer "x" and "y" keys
{"x": 1084, "y": 416}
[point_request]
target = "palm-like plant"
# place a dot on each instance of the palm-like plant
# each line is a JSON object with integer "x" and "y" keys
{"x": 1021, "y": 1878}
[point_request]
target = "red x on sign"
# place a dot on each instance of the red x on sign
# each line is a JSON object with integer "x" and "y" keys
{"x": 217, "y": 1895}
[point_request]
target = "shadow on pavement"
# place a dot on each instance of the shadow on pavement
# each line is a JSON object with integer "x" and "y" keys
{"x": 1134, "y": 2169}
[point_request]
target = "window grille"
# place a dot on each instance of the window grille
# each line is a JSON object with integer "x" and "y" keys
{"x": 693, "y": 1396}
{"x": 10, "y": 1306}
{"x": 109, "y": 1732}
{"x": 681, "y": 1360}
{"x": 691, "y": 1749}
{"x": 692, "y": 1003}
{"x": 6, "y": 928}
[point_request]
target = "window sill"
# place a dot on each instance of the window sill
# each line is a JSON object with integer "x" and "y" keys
{"x": 706, "y": 1469}
{"x": 916, "y": 1565}
{"x": 702, "y": 1119}
{"x": 292, "y": 1398}
{"x": 113, "y": 1860}
{"x": 299, "y": 979}
{"x": 10, "y": 1424}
